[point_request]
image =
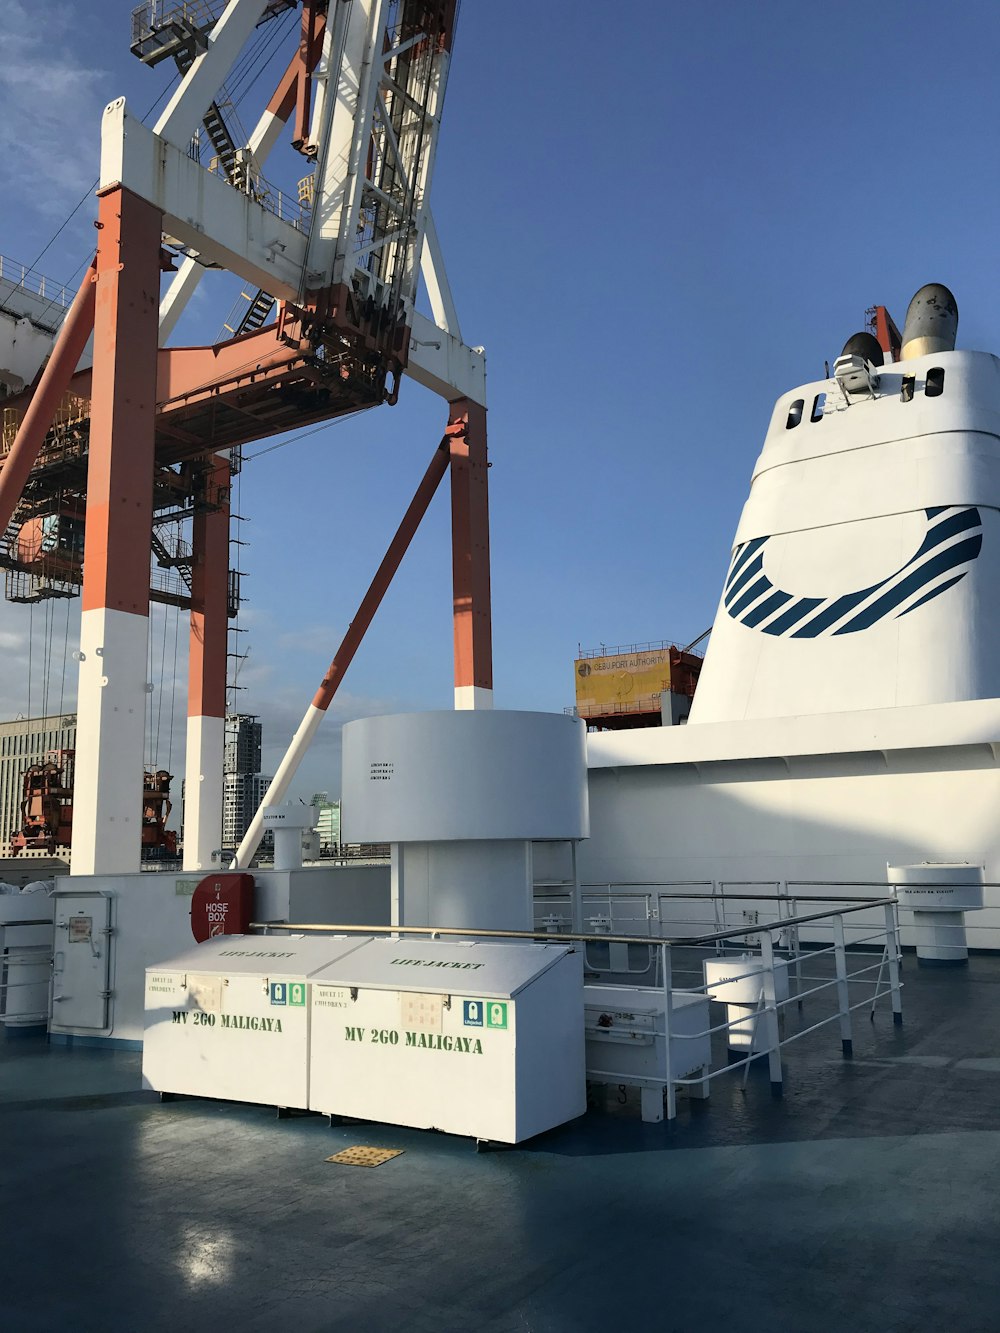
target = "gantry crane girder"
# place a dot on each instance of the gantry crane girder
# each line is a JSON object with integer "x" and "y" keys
{"x": 342, "y": 260}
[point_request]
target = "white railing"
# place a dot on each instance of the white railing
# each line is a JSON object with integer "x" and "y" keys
{"x": 20, "y": 275}
{"x": 877, "y": 972}
{"x": 24, "y": 957}
{"x": 679, "y": 907}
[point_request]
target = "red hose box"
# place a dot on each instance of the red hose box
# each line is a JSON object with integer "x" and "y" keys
{"x": 222, "y": 904}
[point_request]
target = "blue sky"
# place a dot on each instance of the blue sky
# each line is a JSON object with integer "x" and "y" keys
{"x": 656, "y": 218}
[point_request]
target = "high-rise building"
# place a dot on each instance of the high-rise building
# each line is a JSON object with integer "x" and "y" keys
{"x": 243, "y": 740}
{"x": 327, "y": 821}
{"x": 28, "y": 741}
{"x": 242, "y": 794}
{"x": 244, "y": 786}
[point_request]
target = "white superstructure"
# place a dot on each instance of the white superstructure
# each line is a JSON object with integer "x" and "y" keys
{"x": 867, "y": 558}
{"x": 848, "y": 712}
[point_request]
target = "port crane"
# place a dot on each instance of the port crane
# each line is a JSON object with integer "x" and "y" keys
{"x": 103, "y": 465}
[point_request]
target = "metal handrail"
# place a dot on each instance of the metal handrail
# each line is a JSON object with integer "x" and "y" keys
{"x": 564, "y": 937}
{"x": 624, "y": 649}
{"x": 768, "y": 1006}
{"x": 20, "y": 275}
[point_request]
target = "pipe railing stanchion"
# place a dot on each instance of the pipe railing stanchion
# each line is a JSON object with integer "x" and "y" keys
{"x": 771, "y": 1012}
{"x": 892, "y": 949}
{"x": 668, "y": 1012}
{"x": 843, "y": 1000}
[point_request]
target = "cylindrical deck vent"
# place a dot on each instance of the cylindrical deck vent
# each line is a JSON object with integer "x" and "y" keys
{"x": 931, "y": 322}
{"x": 939, "y": 894}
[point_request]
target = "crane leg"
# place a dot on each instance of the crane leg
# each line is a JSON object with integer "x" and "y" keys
{"x": 470, "y": 545}
{"x": 115, "y": 604}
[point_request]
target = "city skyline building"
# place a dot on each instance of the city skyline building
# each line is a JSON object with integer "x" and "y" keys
{"x": 244, "y": 786}
{"x": 24, "y": 742}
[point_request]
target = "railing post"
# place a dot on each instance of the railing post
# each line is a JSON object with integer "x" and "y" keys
{"x": 771, "y": 1012}
{"x": 577, "y": 898}
{"x": 668, "y": 1023}
{"x": 795, "y": 945}
{"x": 843, "y": 1002}
{"x": 892, "y": 954}
{"x": 719, "y": 909}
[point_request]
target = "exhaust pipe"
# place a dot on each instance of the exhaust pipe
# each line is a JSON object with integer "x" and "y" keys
{"x": 931, "y": 322}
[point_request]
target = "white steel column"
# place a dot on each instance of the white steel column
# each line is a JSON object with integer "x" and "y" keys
{"x": 182, "y": 114}
{"x": 110, "y": 732}
{"x": 345, "y": 132}
{"x": 179, "y": 292}
{"x": 435, "y": 278}
{"x": 203, "y": 791}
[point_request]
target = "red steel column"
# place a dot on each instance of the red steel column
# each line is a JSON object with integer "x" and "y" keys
{"x": 470, "y": 543}
{"x": 206, "y": 725}
{"x": 66, "y": 352}
{"x": 115, "y": 604}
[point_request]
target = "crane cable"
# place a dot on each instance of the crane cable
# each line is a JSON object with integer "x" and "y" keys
{"x": 31, "y": 635}
{"x": 62, "y": 679}
{"x": 173, "y": 690}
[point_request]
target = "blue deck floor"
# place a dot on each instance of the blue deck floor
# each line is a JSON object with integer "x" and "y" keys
{"x": 865, "y": 1199}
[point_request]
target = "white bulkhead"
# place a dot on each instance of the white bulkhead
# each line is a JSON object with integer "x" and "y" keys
{"x": 865, "y": 569}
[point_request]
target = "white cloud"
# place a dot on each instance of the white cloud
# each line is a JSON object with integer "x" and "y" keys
{"x": 50, "y": 106}
{"x": 47, "y": 689}
{"x": 13, "y": 641}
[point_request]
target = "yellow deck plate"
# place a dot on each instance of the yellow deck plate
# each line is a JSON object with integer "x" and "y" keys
{"x": 365, "y": 1156}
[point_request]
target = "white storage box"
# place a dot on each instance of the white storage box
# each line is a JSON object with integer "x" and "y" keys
{"x": 230, "y": 1018}
{"x": 626, "y": 1040}
{"x": 473, "y": 1038}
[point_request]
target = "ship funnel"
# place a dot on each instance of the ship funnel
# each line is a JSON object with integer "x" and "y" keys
{"x": 931, "y": 322}
{"x": 866, "y": 345}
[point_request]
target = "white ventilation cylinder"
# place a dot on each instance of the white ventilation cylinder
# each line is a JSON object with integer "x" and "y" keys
{"x": 939, "y": 894}
{"x": 288, "y": 823}
{"x": 461, "y": 796}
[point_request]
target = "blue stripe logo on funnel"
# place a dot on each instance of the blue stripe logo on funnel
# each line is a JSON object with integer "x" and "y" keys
{"x": 953, "y": 540}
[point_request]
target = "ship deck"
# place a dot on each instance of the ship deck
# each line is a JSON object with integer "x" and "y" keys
{"x": 864, "y": 1199}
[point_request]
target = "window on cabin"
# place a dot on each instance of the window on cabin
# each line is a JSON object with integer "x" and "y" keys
{"x": 819, "y": 402}
{"x": 906, "y": 390}
{"x": 934, "y": 386}
{"x": 795, "y": 413}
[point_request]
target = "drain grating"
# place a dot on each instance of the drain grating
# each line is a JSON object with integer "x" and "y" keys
{"x": 365, "y": 1156}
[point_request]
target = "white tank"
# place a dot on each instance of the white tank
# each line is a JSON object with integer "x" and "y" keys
{"x": 939, "y": 894}
{"x": 461, "y": 796}
{"x": 866, "y": 566}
